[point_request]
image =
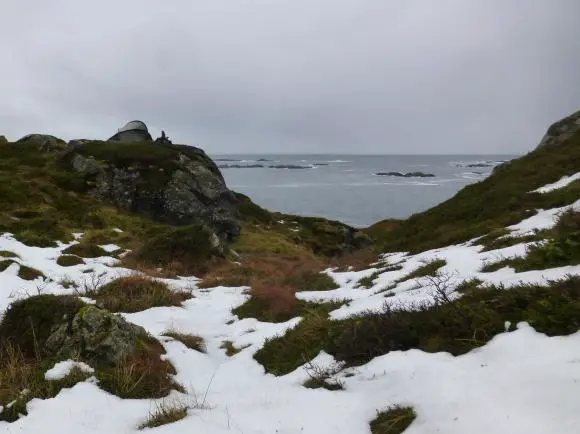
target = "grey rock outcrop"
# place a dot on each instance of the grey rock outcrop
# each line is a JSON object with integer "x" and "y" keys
{"x": 177, "y": 184}
{"x": 95, "y": 334}
{"x": 561, "y": 131}
{"x": 46, "y": 142}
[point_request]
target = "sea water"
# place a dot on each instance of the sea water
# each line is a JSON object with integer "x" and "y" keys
{"x": 346, "y": 187}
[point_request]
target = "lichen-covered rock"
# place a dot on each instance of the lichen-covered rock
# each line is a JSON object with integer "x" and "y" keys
{"x": 95, "y": 334}
{"x": 561, "y": 131}
{"x": 174, "y": 184}
{"x": 3, "y": 140}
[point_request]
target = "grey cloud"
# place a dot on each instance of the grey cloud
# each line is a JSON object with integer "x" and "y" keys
{"x": 339, "y": 76}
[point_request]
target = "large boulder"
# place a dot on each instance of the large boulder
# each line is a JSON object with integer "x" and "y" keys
{"x": 95, "y": 334}
{"x": 561, "y": 131}
{"x": 174, "y": 184}
{"x": 46, "y": 142}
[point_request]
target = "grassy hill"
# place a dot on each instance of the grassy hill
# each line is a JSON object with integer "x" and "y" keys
{"x": 487, "y": 207}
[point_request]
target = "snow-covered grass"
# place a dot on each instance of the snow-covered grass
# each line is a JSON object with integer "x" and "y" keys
{"x": 561, "y": 183}
{"x": 519, "y": 381}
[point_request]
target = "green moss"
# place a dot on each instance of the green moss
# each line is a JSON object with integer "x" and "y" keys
{"x": 7, "y": 254}
{"x": 252, "y": 213}
{"x": 394, "y": 420}
{"x": 190, "y": 246}
{"x": 136, "y": 293}
{"x": 28, "y": 273}
{"x": 29, "y": 322}
{"x": 4, "y": 264}
{"x": 85, "y": 250}
{"x": 69, "y": 260}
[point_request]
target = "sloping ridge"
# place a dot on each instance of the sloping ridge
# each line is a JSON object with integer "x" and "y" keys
{"x": 489, "y": 206}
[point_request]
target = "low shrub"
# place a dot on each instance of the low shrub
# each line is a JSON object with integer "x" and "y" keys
{"x": 69, "y": 260}
{"x": 455, "y": 327}
{"x": 86, "y": 250}
{"x": 28, "y": 273}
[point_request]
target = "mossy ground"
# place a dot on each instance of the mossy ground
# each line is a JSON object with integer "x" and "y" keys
{"x": 456, "y": 327}
{"x": 24, "y": 330}
{"x": 560, "y": 246}
{"x": 394, "y": 420}
{"x": 136, "y": 293}
{"x": 69, "y": 260}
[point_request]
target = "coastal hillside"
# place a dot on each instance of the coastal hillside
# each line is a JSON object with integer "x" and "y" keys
{"x": 138, "y": 292}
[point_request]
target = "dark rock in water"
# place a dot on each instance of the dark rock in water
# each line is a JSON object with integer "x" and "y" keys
{"x": 321, "y": 164}
{"x": 225, "y": 159}
{"x": 95, "y": 334}
{"x": 134, "y": 131}
{"x": 288, "y": 166}
{"x": 406, "y": 175}
{"x": 173, "y": 184}
{"x": 264, "y": 159}
{"x": 241, "y": 166}
{"x": 479, "y": 165}
{"x": 46, "y": 142}
{"x": 561, "y": 131}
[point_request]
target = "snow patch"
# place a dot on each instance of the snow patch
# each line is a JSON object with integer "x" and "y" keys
{"x": 563, "y": 182}
{"x": 62, "y": 369}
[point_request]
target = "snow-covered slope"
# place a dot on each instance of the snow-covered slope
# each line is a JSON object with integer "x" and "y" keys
{"x": 519, "y": 382}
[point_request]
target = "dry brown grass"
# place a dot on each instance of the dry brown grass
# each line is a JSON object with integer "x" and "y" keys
{"x": 190, "y": 341}
{"x": 22, "y": 379}
{"x": 231, "y": 350}
{"x": 274, "y": 281}
{"x": 164, "y": 413}
{"x": 136, "y": 293}
{"x": 355, "y": 261}
{"x": 141, "y": 375}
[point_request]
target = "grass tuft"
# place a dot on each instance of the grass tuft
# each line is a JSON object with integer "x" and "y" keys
{"x": 164, "y": 413}
{"x": 190, "y": 341}
{"x": 136, "y": 293}
{"x": 394, "y": 420}
{"x": 69, "y": 260}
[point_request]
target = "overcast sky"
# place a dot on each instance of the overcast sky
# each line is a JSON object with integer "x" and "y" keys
{"x": 326, "y": 76}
